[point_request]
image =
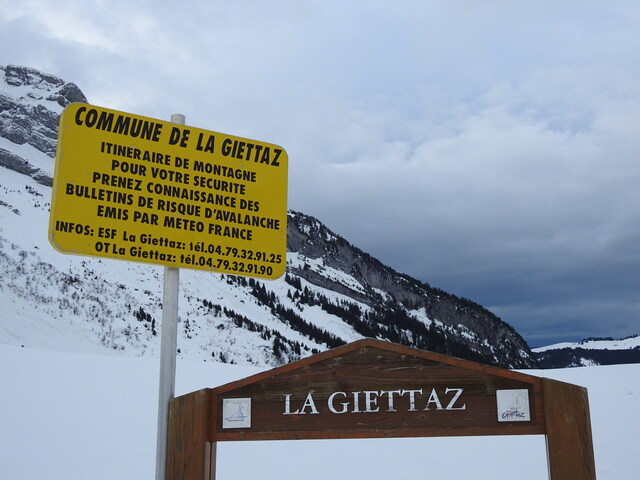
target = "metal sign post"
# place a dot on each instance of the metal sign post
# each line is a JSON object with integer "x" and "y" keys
{"x": 168, "y": 347}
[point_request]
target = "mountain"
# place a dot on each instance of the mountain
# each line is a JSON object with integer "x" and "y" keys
{"x": 29, "y": 116}
{"x": 590, "y": 351}
{"x": 332, "y": 293}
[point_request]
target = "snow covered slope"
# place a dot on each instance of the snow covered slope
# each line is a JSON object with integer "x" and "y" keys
{"x": 591, "y": 351}
{"x": 628, "y": 343}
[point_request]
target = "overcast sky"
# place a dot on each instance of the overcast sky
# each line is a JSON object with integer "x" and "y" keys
{"x": 491, "y": 149}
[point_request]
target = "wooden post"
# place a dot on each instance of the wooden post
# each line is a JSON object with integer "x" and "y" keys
{"x": 210, "y": 461}
{"x": 190, "y": 455}
{"x": 568, "y": 423}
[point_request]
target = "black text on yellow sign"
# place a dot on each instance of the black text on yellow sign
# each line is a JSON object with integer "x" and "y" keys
{"x": 134, "y": 188}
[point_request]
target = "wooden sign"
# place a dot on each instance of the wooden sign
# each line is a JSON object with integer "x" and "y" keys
{"x": 375, "y": 389}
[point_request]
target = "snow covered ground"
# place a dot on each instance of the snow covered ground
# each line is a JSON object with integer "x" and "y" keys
{"x": 69, "y": 416}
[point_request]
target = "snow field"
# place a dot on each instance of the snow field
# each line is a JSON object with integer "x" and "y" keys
{"x": 69, "y": 416}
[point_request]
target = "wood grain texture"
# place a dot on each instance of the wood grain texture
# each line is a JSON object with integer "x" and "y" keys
{"x": 364, "y": 373}
{"x": 188, "y": 451}
{"x": 569, "y": 442}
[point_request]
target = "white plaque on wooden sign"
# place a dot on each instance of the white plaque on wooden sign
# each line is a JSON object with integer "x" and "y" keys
{"x": 513, "y": 405}
{"x": 236, "y": 413}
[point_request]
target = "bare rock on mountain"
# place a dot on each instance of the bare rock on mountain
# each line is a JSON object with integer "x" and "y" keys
{"x": 30, "y": 113}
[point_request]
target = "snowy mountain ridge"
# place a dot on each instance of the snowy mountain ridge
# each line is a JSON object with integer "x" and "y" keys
{"x": 627, "y": 343}
{"x": 333, "y": 292}
{"x": 590, "y": 351}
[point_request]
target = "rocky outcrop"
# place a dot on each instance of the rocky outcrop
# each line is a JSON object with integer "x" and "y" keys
{"x": 18, "y": 164}
{"x": 31, "y": 115}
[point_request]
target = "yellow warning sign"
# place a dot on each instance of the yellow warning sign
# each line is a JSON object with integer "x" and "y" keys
{"x": 134, "y": 188}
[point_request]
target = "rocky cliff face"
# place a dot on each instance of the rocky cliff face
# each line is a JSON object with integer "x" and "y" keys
{"x": 30, "y": 115}
{"x": 398, "y": 302}
{"x": 332, "y": 293}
